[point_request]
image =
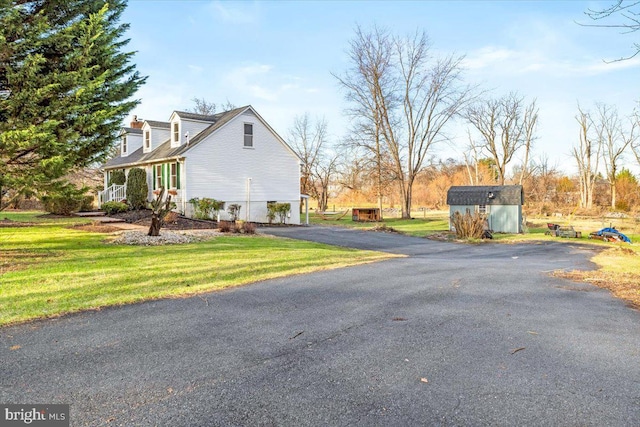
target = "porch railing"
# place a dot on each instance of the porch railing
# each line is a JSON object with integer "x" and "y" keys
{"x": 114, "y": 193}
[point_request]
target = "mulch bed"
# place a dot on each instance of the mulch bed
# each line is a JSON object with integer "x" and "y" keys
{"x": 173, "y": 222}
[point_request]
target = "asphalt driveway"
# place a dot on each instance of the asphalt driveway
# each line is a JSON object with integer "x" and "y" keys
{"x": 451, "y": 334}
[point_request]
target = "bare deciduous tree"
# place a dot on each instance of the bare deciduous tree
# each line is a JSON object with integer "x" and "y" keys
{"x": 615, "y": 141}
{"x": 506, "y": 125}
{"x": 621, "y": 15}
{"x": 206, "y": 108}
{"x": 406, "y": 96}
{"x": 587, "y": 155}
{"x": 308, "y": 140}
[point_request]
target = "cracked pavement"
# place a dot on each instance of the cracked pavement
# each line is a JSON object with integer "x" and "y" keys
{"x": 452, "y": 334}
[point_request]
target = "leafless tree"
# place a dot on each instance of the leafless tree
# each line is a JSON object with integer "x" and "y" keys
{"x": 616, "y": 139}
{"x": 406, "y": 96}
{"x": 621, "y": 15}
{"x": 635, "y": 144}
{"x": 365, "y": 83}
{"x": 309, "y": 140}
{"x": 587, "y": 155}
{"x": 506, "y": 125}
{"x": 207, "y": 108}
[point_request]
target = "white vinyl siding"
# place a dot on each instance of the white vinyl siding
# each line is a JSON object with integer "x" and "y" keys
{"x": 219, "y": 167}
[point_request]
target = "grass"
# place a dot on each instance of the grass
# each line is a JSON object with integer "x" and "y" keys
{"x": 48, "y": 269}
{"x": 423, "y": 224}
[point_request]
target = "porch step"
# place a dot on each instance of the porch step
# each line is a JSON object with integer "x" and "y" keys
{"x": 85, "y": 214}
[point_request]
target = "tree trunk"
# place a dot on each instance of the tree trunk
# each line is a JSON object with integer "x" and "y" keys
{"x": 154, "y": 229}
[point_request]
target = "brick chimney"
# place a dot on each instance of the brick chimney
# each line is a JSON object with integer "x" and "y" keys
{"x": 136, "y": 124}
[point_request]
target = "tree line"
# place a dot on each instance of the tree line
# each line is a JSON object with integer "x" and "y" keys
{"x": 402, "y": 100}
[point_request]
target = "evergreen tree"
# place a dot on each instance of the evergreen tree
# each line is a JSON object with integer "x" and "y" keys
{"x": 65, "y": 86}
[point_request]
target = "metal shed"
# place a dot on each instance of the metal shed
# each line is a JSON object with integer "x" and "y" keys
{"x": 501, "y": 203}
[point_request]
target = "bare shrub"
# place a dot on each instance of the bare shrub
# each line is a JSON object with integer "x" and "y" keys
{"x": 468, "y": 225}
{"x": 225, "y": 226}
{"x": 249, "y": 228}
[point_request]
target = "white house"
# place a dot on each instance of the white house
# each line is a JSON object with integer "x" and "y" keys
{"x": 234, "y": 156}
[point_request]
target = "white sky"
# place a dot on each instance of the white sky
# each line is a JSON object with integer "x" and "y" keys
{"x": 278, "y": 56}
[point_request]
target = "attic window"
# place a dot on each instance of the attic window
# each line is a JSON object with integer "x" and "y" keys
{"x": 176, "y": 132}
{"x": 124, "y": 144}
{"x": 248, "y": 135}
{"x": 147, "y": 139}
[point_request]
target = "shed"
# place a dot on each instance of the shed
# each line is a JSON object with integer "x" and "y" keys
{"x": 501, "y": 203}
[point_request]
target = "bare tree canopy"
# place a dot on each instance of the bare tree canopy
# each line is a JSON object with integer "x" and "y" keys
{"x": 506, "y": 126}
{"x": 587, "y": 154}
{"x": 621, "y": 15}
{"x": 207, "y": 108}
{"x": 403, "y": 97}
{"x": 308, "y": 140}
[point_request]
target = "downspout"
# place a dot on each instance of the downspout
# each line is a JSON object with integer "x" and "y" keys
{"x": 248, "y": 211}
{"x": 183, "y": 184}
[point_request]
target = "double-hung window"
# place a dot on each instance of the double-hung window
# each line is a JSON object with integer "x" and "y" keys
{"x": 158, "y": 176}
{"x": 173, "y": 175}
{"x": 248, "y": 135}
{"x": 176, "y": 132}
{"x": 124, "y": 144}
{"x": 147, "y": 139}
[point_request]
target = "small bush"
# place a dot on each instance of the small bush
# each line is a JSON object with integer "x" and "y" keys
{"x": 225, "y": 226}
{"x": 87, "y": 204}
{"x": 111, "y": 208}
{"x": 137, "y": 188}
{"x": 118, "y": 177}
{"x": 171, "y": 217}
{"x": 249, "y": 228}
{"x": 279, "y": 209}
{"x": 206, "y": 208}
{"x": 64, "y": 200}
{"x": 468, "y": 226}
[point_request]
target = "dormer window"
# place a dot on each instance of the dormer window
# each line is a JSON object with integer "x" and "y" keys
{"x": 176, "y": 133}
{"x": 248, "y": 135}
{"x": 124, "y": 145}
{"x": 147, "y": 139}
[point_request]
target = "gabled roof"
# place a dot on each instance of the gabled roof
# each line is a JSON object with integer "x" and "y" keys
{"x": 156, "y": 124}
{"x": 165, "y": 151}
{"x": 134, "y": 131}
{"x": 485, "y": 195}
{"x": 200, "y": 117}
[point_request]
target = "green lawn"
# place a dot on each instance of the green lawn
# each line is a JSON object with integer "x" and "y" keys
{"x": 48, "y": 269}
{"x": 422, "y": 224}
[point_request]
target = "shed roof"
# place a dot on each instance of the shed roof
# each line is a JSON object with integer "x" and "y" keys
{"x": 485, "y": 195}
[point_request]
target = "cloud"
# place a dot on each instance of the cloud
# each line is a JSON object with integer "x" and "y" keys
{"x": 264, "y": 82}
{"x": 195, "y": 68}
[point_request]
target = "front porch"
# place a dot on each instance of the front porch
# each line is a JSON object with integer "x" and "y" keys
{"x": 118, "y": 193}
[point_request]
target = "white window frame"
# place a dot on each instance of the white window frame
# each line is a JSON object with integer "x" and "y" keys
{"x": 123, "y": 146}
{"x": 244, "y": 131}
{"x": 147, "y": 139}
{"x": 173, "y": 175}
{"x": 175, "y": 133}
{"x": 158, "y": 176}
{"x": 482, "y": 209}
